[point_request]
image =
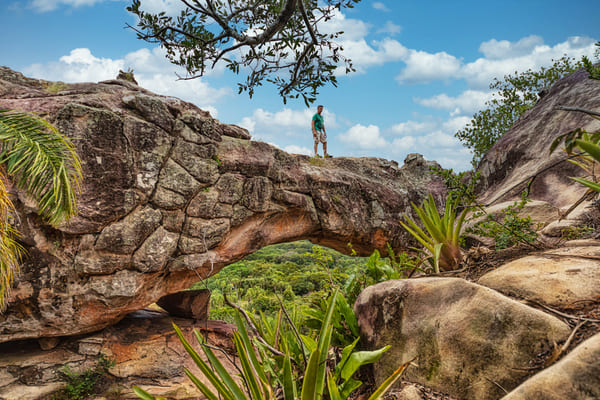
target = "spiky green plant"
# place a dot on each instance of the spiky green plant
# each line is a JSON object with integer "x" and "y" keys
{"x": 443, "y": 232}
{"x": 40, "y": 160}
{"x": 309, "y": 381}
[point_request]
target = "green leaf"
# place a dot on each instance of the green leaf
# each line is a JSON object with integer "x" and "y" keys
{"x": 592, "y": 185}
{"x": 248, "y": 371}
{"x": 345, "y": 355}
{"x": 226, "y": 378}
{"x": 334, "y": 393}
{"x": 591, "y": 148}
{"x": 349, "y": 386}
{"x": 289, "y": 386}
{"x": 360, "y": 358}
{"x": 309, "y": 384}
{"x": 387, "y": 384}
{"x": 142, "y": 394}
{"x": 201, "y": 386}
{"x": 215, "y": 380}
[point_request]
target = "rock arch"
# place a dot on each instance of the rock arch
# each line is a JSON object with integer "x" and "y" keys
{"x": 170, "y": 194}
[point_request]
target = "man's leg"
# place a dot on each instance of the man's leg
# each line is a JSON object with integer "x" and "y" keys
{"x": 316, "y": 148}
{"x": 325, "y": 149}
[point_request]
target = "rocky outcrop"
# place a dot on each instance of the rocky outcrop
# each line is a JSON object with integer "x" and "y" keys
{"x": 524, "y": 150}
{"x": 171, "y": 195}
{"x": 577, "y": 376}
{"x": 143, "y": 347}
{"x": 559, "y": 278}
{"x": 465, "y": 339}
{"x": 187, "y": 304}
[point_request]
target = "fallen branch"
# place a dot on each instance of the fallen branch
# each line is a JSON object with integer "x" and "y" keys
{"x": 560, "y": 313}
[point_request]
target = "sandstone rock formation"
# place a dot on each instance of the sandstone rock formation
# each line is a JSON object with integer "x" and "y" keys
{"x": 143, "y": 346}
{"x": 558, "y": 278}
{"x": 466, "y": 340}
{"x": 524, "y": 149}
{"x": 193, "y": 304}
{"x": 171, "y": 195}
{"x": 577, "y": 376}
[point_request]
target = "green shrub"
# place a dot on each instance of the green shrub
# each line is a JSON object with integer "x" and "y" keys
{"x": 592, "y": 70}
{"x": 82, "y": 385}
{"x": 507, "y": 228}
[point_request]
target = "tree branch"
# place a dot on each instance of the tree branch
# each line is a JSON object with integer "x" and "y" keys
{"x": 307, "y": 22}
{"x": 591, "y": 113}
{"x": 253, "y": 327}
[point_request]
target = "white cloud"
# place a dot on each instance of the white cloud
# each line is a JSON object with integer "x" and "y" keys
{"x": 380, "y": 6}
{"x": 364, "y": 56}
{"x": 455, "y": 124}
{"x": 500, "y": 58}
{"x": 50, "y": 5}
{"x": 365, "y": 137}
{"x": 469, "y": 101}
{"x": 390, "y": 28}
{"x": 170, "y": 7}
{"x": 79, "y": 66}
{"x": 497, "y": 50}
{"x": 151, "y": 71}
{"x": 423, "y": 67}
{"x": 404, "y": 144}
{"x": 270, "y": 126}
{"x": 413, "y": 127}
{"x": 354, "y": 29}
{"x": 293, "y": 149}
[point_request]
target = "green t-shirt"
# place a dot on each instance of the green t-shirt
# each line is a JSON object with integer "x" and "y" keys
{"x": 318, "y": 121}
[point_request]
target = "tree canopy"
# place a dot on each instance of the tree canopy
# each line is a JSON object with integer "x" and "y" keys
{"x": 283, "y": 42}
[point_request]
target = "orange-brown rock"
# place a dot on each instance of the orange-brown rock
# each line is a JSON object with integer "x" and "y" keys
{"x": 143, "y": 346}
{"x": 170, "y": 194}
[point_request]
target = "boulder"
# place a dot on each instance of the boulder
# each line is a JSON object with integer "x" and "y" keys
{"x": 143, "y": 346}
{"x": 466, "y": 340}
{"x": 187, "y": 304}
{"x": 523, "y": 151}
{"x": 558, "y": 278}
{"x": 576, "y": 376}
{"x": 170, "y": 194}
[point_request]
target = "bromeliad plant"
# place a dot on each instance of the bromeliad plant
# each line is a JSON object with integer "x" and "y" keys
{"x": 442, "y": 233}
{"x": 271, "y": 372}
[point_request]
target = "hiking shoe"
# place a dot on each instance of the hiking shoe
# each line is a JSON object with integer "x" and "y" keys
{"x": 317, "y": 156}
{"x": 328, "y": 156}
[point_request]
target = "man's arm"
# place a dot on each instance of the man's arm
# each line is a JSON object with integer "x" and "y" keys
{"x": 313, "y": 128}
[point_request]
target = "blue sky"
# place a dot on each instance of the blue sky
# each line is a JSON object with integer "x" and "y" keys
{"x": 423, "y": 67}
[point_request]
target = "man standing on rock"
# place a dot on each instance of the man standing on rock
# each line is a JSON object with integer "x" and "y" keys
{"x": 319, "y": 134}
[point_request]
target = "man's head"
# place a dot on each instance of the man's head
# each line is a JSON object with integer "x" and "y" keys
{"x": 319, "y": 109}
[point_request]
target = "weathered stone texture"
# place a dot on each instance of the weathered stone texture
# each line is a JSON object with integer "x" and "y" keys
{"x": 170, "y": 193}
{"x": 458, "y": 333}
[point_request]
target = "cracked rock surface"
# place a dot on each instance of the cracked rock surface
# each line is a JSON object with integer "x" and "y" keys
{"x": 169, "y": 193}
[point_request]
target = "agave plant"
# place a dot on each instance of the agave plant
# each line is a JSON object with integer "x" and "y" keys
{"x": 311, "y": 380}
{"x": 443, "y": 232}
{"x": 43, "y": 162}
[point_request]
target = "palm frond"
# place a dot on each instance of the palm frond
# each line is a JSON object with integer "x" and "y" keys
{"x": 10, "y": 250}
{"x": 41, "y": 161}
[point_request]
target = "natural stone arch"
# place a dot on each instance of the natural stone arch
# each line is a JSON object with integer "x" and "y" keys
{"x": 170, "y": 193}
